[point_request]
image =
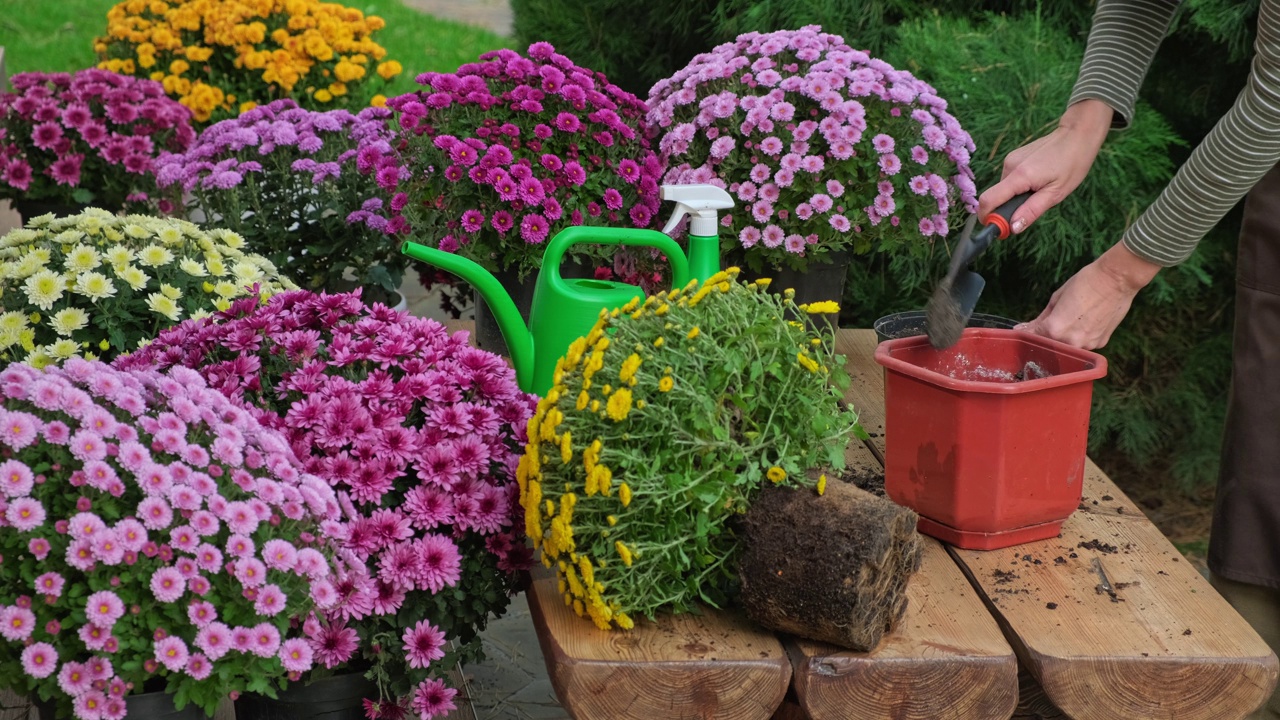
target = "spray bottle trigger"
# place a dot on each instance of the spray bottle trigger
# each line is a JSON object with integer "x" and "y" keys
{"x": 680, "y": 211}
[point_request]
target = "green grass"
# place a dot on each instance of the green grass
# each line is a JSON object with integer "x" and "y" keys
{"x": 57, "y": 36}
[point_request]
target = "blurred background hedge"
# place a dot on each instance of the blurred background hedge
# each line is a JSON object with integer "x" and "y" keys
{"x": 1007, "y": 68}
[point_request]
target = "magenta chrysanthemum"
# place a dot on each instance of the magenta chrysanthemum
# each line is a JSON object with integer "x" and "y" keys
{"x": 423, "y": 644}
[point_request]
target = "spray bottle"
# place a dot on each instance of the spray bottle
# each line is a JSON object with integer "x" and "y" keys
{"x": 702, "y": 203}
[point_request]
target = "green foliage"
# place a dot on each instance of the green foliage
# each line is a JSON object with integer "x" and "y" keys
{"x": 634, "y": 44}
{"x": 631, "y": 491}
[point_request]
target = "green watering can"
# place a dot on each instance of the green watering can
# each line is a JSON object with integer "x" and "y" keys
{"x": 563, "y": 309}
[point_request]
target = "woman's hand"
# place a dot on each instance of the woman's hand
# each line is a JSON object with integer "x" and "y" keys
{"x": 1052, "y": 166}
{"x": 1088, "y": 307}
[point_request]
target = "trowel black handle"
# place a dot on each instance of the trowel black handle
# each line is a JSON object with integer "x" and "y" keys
{"x": 1002, "y": 216}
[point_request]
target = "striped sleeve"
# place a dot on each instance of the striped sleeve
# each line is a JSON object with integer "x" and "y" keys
{"x": 1122, "y": 43}
{"x": 1236, "y": 153}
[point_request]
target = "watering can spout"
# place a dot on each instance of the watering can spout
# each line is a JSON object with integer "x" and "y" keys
{"x": 518, "y": 338}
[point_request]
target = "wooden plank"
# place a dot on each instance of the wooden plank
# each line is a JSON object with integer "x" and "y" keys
{"x": 717, "y": 664}
{"x": 946, "y": 657}
{"x": 1166, "y": 646}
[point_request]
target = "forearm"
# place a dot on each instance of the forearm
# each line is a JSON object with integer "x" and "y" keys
{"x": 1240, "y": 149}
{"x": 1122, "y": 42}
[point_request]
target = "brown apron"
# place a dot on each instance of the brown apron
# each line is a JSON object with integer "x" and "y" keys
{"x": 1245, "y": 542}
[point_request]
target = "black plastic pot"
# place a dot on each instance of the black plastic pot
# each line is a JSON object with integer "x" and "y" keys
{"x": 339, "y": 697}
{"x": 912, "y": 323}
{"x": 152, "y": 706}
{"x": 818, "y": 282}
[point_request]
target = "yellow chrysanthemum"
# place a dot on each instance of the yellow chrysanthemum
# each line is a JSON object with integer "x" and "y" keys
{"x": 624, "y": 494}
{"x": 666, "y": 383}
{"x": 619, "y": 405}
{"x": 822, "y": 484}
{"x": 694, "y": 332}
{"x": 623, "y": 552}
{"x": 776, "y": 474}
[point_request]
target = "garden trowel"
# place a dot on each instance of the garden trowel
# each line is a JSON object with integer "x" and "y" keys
{"x": 955, "y": 297}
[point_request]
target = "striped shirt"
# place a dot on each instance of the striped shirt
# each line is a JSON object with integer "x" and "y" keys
{"x": 1240, "y": 149}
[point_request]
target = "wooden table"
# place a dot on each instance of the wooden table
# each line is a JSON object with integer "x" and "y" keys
{"x": 1167, "y": 646}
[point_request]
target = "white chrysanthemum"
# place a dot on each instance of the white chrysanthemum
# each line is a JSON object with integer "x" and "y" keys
{"x": 112, "y": 234}
{"x": 226, "y": 289}
{"x": 119, "y": 255}
{"x": 82, "y": 258}
{"x": 200, "y": 314}
{"x": 64, "y": 349}
{"x": 45, "y": 288}
{"x": 246, "y": 273}
{"x": 192, "y": 267}
{"x": 170, "y": 235}
{"x": 19, "y": 237}
{"x": 95, "y": 286}
{"x": 232, "y": 240}
{"x": 134, "y": 230}
{"x": 68, "y": 237}
{"x": 215, "y": 265}
{"x": 162, "y": 305}
{"x": 12, "y": 320}
{"x": 134, "y": 276}
{"x": 69, "y": 320}
{"x": 9, "y": 337}
{"x": 26, "y": 267}
{"x": 170, "y": 291}
{"x": 154, "y": 256}
{"x": 91, "y": 225}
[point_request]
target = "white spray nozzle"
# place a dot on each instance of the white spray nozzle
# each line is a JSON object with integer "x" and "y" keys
{"x": 701, "y": 203}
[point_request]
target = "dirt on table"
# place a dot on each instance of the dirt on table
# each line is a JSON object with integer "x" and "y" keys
{"x": 870, "y": 479}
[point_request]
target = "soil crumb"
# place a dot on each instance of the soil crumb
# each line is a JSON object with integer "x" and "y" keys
{"x": 1096, "y": 544}
{"x": 965, "y": 369}
{"x": 1051, "y": 606}
{"x": 1004, "y": 577}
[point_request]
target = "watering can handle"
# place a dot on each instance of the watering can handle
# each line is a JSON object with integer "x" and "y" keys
{"x": 634, "y": 237}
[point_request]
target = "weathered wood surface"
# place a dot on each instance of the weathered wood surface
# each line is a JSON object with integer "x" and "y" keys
{"x": 1166, "y": 646}
{"x": 946, "y": 658}
{"x": 714, "y": 665}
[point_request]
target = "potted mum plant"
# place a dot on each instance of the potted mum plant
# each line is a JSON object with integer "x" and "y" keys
{"x": 96, "y": 284}
{"x": 70, "y": 141}
{"x": 145, "y": 521}
{"x": 290, "y": 182}
{"x": 422, "y": 432}
{"x": 831, "y": 152}
{"x": 508, "y": 151}
{"x": 222, "y": 58}
{"x": 633, "y": 510}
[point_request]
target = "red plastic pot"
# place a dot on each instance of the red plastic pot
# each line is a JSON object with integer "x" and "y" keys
{"x": 986, "y": 440}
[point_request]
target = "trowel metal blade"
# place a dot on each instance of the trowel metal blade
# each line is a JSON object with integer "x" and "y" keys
{"x": 965, "y": 291}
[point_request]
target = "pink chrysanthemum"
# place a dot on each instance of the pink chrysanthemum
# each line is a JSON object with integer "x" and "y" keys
{"x": 433, "y": 698}
{"x": 51, "y": 584}
{"x": 295, "y": 655}
{"x": 17, "y": 623}
{"x": 199, "y": 666}
{"x": 215, "y": 640}
{"x": 104, "y": 608}
{"x": 172, "y": 653}
{"x": 73, "y": 678}
{"x": 167, "y": 584}
{"x": 423, "y": 644}
{"x": 39, "y": 660}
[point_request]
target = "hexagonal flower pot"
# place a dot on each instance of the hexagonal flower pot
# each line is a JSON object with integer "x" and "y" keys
{"x": 986, "y": 440}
